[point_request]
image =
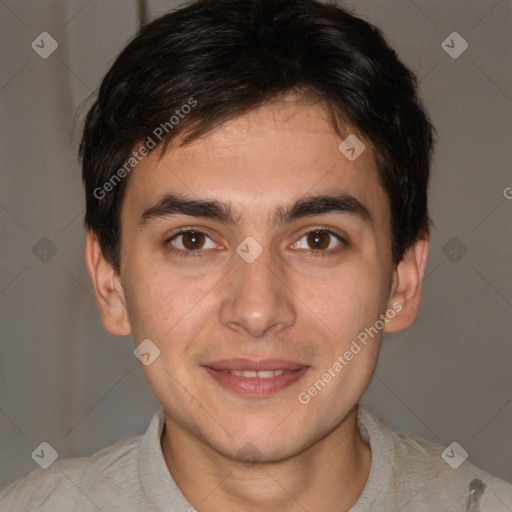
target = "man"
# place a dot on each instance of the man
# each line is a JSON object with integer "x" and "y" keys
{"x": 256, "y": 178}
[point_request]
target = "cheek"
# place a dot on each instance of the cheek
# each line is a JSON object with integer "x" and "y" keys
{"x": 346, "y": 303}
{"x": 153, "y": 302}
{"x": 169, "y": 309}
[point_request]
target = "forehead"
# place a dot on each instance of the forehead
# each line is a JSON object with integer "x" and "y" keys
{"x": 260, "y": 162}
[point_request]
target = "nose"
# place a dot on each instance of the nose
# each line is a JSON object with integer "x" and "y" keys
{"x": 256, "y": 297}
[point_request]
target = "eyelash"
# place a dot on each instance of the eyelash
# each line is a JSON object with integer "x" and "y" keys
{"x": 315, "y": 253}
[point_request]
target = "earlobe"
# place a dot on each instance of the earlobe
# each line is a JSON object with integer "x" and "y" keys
{"x": 108, "y": 289}
{"x": 407, "y": 284}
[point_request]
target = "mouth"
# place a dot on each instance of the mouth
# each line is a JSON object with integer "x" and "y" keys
{"x": 255, "y": 378}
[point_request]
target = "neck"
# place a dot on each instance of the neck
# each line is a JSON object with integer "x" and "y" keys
{"x": 328, "y": 475}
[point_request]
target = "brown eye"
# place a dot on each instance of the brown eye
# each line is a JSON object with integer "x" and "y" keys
{"x": 190, "y": 241}
{"x": 319, "y": 240}
{"x": 193, "y": 240}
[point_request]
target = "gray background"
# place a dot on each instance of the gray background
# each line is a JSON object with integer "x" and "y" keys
{"x": 64, "y": 380}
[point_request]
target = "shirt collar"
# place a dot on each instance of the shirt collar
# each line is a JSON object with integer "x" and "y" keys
{"x": 159, "y": 487}
{"x": 162, "y": 492}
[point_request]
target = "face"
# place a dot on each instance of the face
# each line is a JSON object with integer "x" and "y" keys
{"x": 278, "y": 260}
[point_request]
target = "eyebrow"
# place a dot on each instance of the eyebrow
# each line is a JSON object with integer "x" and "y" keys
{"x": 173, "y": 204}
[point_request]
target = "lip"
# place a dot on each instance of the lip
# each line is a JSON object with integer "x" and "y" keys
{"x": 255, "y": 386}
{"x": 255, "y": 365}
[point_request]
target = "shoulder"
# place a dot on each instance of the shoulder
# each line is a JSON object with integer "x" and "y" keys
{"x": 446, "y": 471}
{"x": 73, "y": 482}
{"x": 428, "y": 475}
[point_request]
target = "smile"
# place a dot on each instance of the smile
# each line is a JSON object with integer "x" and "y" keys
{"x": 264, "y": 374}
{"x": 249, "y": 380}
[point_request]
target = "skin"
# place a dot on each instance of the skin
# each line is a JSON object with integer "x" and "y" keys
{"x": 290, "y": 303}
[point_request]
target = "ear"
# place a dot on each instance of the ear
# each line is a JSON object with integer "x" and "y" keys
{"x": 406, "y": 287}
{"x": 107, "y": 286}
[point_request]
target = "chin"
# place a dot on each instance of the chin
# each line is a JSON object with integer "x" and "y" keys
{"x": 262, "y": 447}
{"x": 250, "y": 453}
